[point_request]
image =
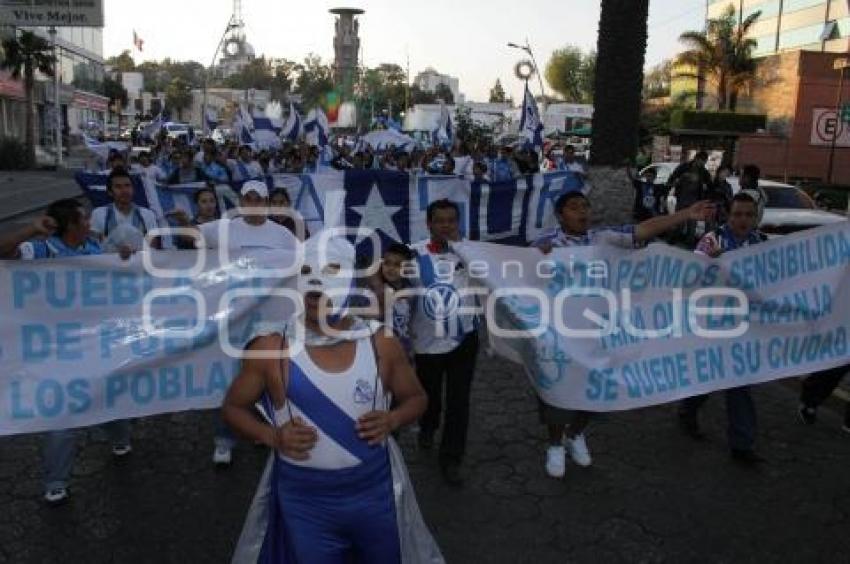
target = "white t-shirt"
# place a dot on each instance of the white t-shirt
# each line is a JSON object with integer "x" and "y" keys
{"x": 242, "y": 235}
{"x": 141, "y": 218}
{"x": 463, "y": 166}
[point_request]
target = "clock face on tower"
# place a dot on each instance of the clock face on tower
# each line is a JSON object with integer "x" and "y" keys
{"x": 232, "y": 47}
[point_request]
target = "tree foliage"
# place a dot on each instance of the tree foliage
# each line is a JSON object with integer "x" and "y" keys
{"x": 178, "y": 96}
{"x": 571, "y": 73}
{"x": 23, "y": 56}
{"x": 123, "y": 62}
{"x": 619, "y": 80}
{"x": 314, "y": 81}
{"x": 657, "y": 81}
{"x": 115, "y": 91}
{"x": 722, "y": 54}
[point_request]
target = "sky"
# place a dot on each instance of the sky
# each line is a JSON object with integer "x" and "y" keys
{"x": 466, "y": 39}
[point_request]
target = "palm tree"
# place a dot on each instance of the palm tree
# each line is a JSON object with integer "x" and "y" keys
{"x": 178, "y": 96}
{"x": 621, "y": 51}
{"x": 23, "y": 56}
{"x": 723, "y": 52}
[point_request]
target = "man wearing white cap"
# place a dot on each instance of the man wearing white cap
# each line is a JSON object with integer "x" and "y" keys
{"x": 251, "y": 230}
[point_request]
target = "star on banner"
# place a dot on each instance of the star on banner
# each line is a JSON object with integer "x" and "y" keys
{"x": 377, "y": 215}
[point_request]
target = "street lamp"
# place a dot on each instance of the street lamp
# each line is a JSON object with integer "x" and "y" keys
{"x": 230, "y": 25}
{"x": 527, "y": 49}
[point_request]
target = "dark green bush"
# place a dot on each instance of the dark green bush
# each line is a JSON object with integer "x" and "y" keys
{"x": 717, "y": 121}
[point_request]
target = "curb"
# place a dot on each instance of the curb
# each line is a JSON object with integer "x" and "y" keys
{"x": 29, "y": 210}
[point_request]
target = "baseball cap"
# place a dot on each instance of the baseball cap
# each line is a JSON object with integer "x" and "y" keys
{"x": 255, "y": 186}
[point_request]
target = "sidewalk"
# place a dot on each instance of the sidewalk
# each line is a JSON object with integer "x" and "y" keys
{"x": 652, "y": 495}
{"x": 22, "y": 192}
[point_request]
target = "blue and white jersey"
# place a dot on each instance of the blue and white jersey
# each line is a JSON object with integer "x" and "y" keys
{"x": 723, "y": 240}
{"x": 214, "y": 172}
{"x": 332, "y": 403}
{"x": 438, "y": 326}
{"x": 618, "y": 236}
{"x": 402, "y": 315}
{"x": 243, "y": 171}
{"x": 54, "y": 246}
{"x": 106, "y": 219}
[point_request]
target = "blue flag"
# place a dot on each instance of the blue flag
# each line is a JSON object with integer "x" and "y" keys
{"x": 378, "y": 200}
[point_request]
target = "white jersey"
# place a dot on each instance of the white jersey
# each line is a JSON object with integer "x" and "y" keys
{"x": 343, "y": 397}
{"x": 237, "y": 234}
{"x": 438, "y": 326}
{"x": 106, "y": 219}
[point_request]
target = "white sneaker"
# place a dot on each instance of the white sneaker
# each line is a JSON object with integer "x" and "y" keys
{"x": 56, "y": 496}
{"x": 222, "y": 456}
{"x": 556, "y": 461}
{"x": 578, "y": 450}
{"x": 119, "y": 451}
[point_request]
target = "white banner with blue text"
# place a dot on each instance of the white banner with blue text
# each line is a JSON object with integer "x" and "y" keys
{"x": 606, "y": 329}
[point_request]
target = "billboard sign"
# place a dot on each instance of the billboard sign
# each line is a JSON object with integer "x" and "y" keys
{"x": 55, "y": 13}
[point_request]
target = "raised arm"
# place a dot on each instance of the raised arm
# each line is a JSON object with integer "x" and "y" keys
{"x": 41, "y": 227}
{"x": 651, "y": 228}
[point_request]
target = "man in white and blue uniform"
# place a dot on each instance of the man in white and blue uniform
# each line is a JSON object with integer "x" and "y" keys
{"x": 738, "y": 232}
{"x": 332, "y": 495}
{"x": 572, "y": 211}
{"x": 62, "y": 232}
{"x": 445, "y": 339}
{"x": 123, "y": 214}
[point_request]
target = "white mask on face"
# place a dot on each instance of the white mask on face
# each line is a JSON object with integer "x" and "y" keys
{"x": 331, "y": 267}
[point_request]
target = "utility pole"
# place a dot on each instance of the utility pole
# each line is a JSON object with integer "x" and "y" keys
{"x": 56, "y": 99}
{"x": 840, "y": 65}
{"x": 407, "y": 83}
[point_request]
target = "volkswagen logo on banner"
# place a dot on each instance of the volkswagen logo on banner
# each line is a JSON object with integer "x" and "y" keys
{"x": 441, "y": 302}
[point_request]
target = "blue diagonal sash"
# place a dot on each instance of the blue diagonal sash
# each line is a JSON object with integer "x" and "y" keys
{"x": 327, "y": 415}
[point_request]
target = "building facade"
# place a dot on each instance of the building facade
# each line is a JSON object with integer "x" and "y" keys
{"x": 429, "y": 79}
{"x": 790, "y": 25}
{"x": 81, "y": 73}
{"x": 797, "y": 91}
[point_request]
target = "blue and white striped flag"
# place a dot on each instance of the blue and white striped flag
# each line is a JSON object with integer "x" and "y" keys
{"x": 212, "y": 119}
{"x": 316, "y": 128}
{"x": 102, "y": 149}
{"x": 293, "y": 126}
{"x": 151, "y": 130}
{"x": 530, "y": 124}
{"x": 267, "y": 131}
{"x": 444, "y": 134}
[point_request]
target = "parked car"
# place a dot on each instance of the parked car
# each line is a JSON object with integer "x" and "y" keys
{"x": 788, "y": 209}
{"x": 663, "y": 171}
{"x": 221, "y": 135}
{"x": 176, "y": 130}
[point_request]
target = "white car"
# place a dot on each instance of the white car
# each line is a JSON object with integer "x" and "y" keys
{"x": 175, "y": 130}
{"x": 788, "y": 208}
{"x": 221, "y": 134}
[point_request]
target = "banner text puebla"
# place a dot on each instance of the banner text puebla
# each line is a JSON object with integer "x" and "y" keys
{"x": 604, "y": 329}
{"x": 92, "y": 339}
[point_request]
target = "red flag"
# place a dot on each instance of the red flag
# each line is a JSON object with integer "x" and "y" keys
{"x": 138, "y": 41}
